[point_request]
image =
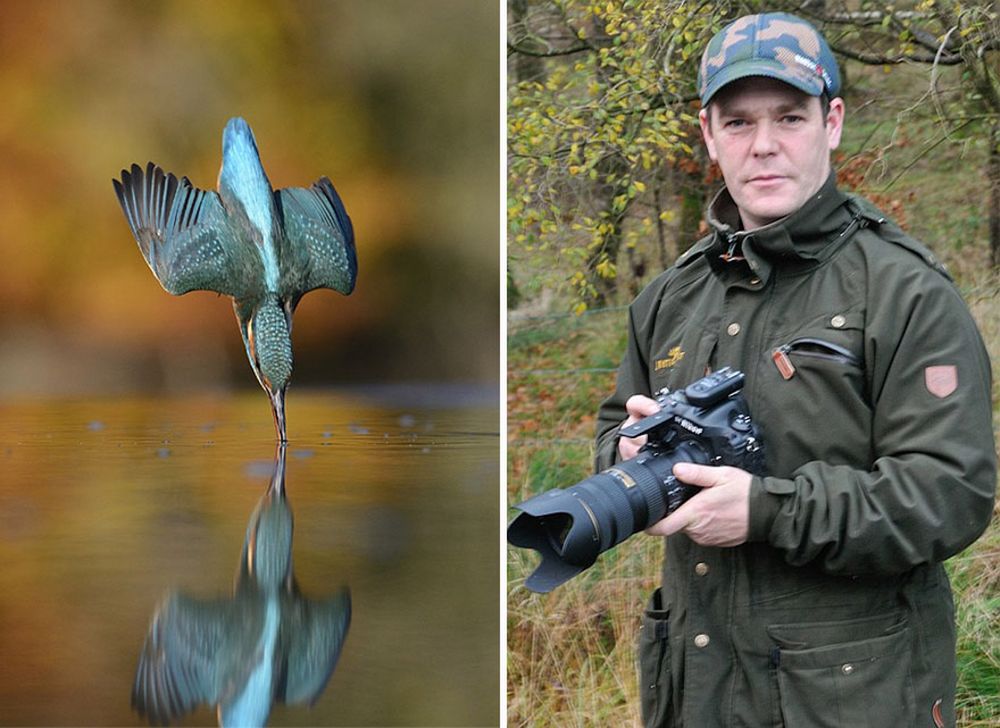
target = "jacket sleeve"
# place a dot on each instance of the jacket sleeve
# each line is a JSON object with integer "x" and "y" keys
{"x": 929, "y": 492}
{"x": 633, "y": 378}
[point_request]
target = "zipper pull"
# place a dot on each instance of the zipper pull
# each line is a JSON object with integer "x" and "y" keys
{"x": 735, "y": 251}
{"x": 783, "y": 362}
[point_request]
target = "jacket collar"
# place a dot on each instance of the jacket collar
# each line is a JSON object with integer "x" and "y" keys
{"x": 803, "y": 237}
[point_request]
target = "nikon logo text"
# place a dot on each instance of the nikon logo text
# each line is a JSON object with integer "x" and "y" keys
{"x": 690, "y": 426}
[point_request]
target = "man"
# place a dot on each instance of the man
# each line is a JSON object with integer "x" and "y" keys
{"x": 814, "y": 596}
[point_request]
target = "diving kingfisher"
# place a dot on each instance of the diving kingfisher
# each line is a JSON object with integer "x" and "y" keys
{"x": 265, "y": 248}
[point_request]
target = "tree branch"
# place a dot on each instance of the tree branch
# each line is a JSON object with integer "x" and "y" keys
{"x": 873, "y": 59}
{"x": 514, "y": 48}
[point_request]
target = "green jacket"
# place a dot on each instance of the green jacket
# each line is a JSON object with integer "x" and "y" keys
{"x": 872, "y": 387}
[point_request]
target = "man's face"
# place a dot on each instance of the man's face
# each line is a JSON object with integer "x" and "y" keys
{"x": 772, "y": 145}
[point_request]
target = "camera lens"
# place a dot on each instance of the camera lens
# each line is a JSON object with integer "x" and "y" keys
{"x": 707, "y": 422}
{"x": 570, "y": 528}
{"x": 557, "y": 527}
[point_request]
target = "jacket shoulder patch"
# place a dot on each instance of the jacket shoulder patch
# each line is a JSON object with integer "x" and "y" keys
{"x": 941, "y": 380}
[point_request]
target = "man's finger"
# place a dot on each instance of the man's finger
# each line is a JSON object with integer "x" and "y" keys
{"x": 704, "y": 476}
{"x": 676, "y": 522}
{"x": 639, "y": 405}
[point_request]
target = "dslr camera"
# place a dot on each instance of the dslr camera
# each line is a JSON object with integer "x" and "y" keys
{"x": 706, "y": 422}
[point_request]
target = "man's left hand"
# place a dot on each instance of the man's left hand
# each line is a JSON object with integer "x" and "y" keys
{"x": 717, "y": 516}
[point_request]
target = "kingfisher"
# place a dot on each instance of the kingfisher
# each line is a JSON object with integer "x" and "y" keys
{"x": 264, "y": 248}
{"x": 266, "y": 643}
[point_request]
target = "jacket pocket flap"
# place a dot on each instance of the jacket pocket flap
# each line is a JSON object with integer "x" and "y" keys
{"x": 824, "y": 646}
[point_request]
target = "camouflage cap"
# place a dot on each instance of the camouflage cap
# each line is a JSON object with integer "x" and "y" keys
{"x": 777, "y": 45}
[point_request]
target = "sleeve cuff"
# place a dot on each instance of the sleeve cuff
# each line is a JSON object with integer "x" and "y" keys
{"x": 607, "y": 452}
{"x": 764, "y": 506}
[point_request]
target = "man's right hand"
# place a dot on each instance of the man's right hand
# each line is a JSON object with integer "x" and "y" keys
{"x": 637, "y": 406}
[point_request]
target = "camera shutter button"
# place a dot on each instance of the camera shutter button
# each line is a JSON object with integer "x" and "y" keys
{"x": 741, "y": 423}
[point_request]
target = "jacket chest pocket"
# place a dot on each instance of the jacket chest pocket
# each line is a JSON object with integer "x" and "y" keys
{"x": 805, "y": 348}
{"x": 816, "y": 374}
{"x": 829, "y": 342}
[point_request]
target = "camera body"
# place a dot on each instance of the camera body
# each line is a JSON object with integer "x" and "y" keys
{"x": 707, "y": 422}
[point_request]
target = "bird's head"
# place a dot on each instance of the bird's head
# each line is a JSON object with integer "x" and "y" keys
{"x": 238, "y": 136}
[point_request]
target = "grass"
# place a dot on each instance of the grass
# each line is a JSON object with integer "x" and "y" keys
{"x": 570, "y": 654}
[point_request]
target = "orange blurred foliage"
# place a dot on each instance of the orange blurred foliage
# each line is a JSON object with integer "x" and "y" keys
{"x": 397, "y": 102}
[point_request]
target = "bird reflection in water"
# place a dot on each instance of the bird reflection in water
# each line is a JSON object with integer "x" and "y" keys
{"x": 266, "y": 643}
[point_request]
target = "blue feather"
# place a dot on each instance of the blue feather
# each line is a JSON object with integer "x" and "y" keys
{"x": 243, "y": 179}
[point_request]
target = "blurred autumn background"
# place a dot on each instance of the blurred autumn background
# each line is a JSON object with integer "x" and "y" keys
{"x": 397, "y": 102}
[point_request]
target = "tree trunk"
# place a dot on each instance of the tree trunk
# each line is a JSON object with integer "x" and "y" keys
{"x": 993, "y": 176}
{"x": 609, "y": 247}
{"x": 668, "y": 251}
{"x": 525, "y": 67}
{"x": 693, "y": 193}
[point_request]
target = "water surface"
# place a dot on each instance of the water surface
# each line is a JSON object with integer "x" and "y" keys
{"x": 106, "y": 506}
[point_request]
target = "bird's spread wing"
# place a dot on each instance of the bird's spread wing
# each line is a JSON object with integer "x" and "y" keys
{"x": 192, "y": 654}
{"x": 182, "y": 232}
{"x": 319, "y": 250}
{"x": 317, "y": 630}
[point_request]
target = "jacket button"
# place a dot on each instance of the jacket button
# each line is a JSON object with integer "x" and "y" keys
{"x": 847, "y": 669}
{"x": 701, "y": 568}
{"x": 754, "y": 281}
{"x": 701, "y": 640}
{"x": 838, "y": 321}
{"x": 733, "y": 329}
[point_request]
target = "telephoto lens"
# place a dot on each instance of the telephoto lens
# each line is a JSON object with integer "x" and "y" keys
{"x": 707, "y": 423}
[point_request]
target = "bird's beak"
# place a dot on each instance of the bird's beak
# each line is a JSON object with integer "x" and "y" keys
{"x": 278, "y": 408}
